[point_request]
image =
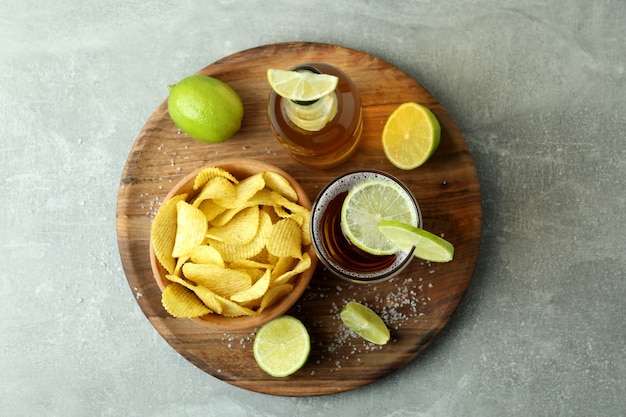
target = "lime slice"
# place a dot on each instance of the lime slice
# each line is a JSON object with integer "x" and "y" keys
{"x": 301, "y": 85}
{"x": 410, "y": 136}
{"x": 428, "y": 246}
{"x": 369, "y": 203}
{"x": 365, "y": 322}
{"x": 282, "y": 346}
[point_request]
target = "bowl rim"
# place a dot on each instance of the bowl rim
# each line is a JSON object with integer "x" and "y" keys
{"x": 241, "y": 168}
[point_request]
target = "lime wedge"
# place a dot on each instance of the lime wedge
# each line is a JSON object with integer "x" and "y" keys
{"x": 301, "y": 85}
{"x": 282, "y": 346}
{"x": 410, "y": 136}
{"x": 369, "y": 203}
{"x": 365, "y": 322}
{"x": 428, "y": 246}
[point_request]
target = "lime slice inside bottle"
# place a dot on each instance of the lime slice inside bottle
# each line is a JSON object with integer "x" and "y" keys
{"x": 282, "y": 346}
{"x": 365, "y": 322}
{"x": 301, "y": 85}
{"x": 369, "y": 203}
{"x": 428, "y": 246}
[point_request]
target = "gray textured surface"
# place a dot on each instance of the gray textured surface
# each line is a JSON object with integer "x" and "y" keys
{"x": 537, "y": 87}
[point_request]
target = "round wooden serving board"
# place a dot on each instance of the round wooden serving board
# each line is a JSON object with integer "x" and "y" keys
{"x": 415, "y": 305}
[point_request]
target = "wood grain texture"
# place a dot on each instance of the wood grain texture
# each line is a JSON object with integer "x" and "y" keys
{"x": 416, "y": 305}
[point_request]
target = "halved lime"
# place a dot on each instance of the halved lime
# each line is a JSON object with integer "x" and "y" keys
{"x": 282, "y": 346}
{"x": 410, "y": 136}
{"x": 301, "y": 85}
{"x": 428, "y": 246}
{"x": 365, "y": 322}
{"x": 369, "y": 203}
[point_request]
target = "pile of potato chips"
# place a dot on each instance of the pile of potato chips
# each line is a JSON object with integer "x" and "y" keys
{"x": 235, "y": 248}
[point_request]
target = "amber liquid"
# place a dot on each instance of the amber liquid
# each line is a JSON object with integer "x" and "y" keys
{"x": 334, "y": 143}
{"x": 335, "y": 250}
{"x": 341, "y": 250}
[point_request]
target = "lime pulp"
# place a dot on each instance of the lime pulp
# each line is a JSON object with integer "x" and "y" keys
{"x": 282, "y": 346}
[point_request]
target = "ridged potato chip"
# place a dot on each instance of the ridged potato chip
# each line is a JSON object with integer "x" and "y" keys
{"x": 254, "y": 292}
{"x": 254, "y": 273}
{"x": 179, "y": 264}
{"x": 302, "y": 265}
{"x": 232, "y": 252}
{"x": 205, "y": 254}
{"x": 275, "y": 294}
{"x": 182, "y": 302}
{"x": 282, "y": 265}
{"x": 209, "y": 173}
{"x": 285, "y": 239}
{"x": 210, "y": 209}
{"x": 241, "y": 229}
{"x": 163, "y": 233}
{"x": 232, "y": 309}
{"x": 208, "y": 297}
{"x": 225, "y": 216}
{"x": 191, "y": 228}
{"x": 263, "y": 257}
{"x": 271, "y": 210}
{"x": 304, "y": 221}
{"x": 292, "y": 207}
{"x": 287, "y": 209}
{"x": 261, "y": 198}
{"x": 217, "y": 187}
{"x": 278, "y": 183}
{"x": 221, "y": 280}
{"x": 244, "y": 191}
{"x": 250, "y": 264}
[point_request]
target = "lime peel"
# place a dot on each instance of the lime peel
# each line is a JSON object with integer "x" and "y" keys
{"x": 428, "y": 246}
{"x": 205, "y": 108}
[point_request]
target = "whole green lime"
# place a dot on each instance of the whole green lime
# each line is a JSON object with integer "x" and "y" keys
{"x": 205, "y": 108}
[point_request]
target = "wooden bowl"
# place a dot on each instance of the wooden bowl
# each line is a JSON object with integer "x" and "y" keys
{"x": 242, "y": 168}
